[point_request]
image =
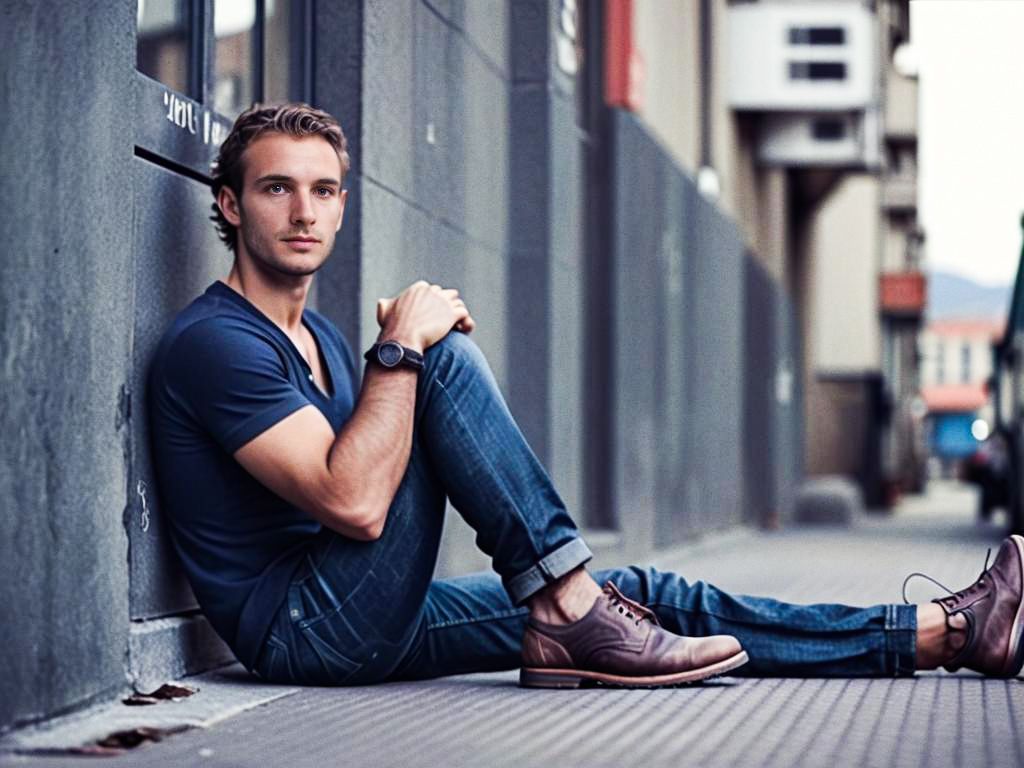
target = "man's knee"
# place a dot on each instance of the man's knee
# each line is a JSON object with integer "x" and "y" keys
{"x": 456, "y": 349}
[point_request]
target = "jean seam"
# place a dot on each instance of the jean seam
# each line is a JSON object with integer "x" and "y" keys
{"x": 899, "y": 628}
{"x": 511, "y": 613}
{"x": 489, "y": 463}
{"x": 734, "y": 620}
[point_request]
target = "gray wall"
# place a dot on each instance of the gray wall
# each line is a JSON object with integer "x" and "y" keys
{"x": 703, "y": 437}
{"x": 771, "y": 448}
{"x": 66, "y": 304}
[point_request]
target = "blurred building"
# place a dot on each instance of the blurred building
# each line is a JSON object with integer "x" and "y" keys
{"x": 847, "y": 134}
{"x": 687, "y": 232}
{"x": 956, "y": 373}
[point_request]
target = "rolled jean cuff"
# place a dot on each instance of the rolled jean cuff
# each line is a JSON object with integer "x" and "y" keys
{"x": 901, "y": 639}
{"x": 554, "y": 565}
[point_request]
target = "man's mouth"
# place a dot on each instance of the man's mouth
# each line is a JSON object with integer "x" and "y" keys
{"x": 301, "y": 242}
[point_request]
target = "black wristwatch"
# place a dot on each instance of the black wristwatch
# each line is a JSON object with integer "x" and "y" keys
{"x": 391, "y": 354}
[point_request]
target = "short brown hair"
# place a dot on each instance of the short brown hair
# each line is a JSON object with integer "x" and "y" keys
{"x": 294, "y": 119}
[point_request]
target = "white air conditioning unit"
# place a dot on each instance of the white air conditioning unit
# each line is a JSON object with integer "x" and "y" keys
{"x": 802, "y": 56}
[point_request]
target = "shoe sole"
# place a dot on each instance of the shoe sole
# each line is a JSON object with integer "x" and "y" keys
{"x": 535, "y": 677}
{"x": 1016, "y": 648}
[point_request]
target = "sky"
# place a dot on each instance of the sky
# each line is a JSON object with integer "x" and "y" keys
{"x": 970, "y": 59}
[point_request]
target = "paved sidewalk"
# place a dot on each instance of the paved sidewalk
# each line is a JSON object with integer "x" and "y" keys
{"x": 936, "y": 719}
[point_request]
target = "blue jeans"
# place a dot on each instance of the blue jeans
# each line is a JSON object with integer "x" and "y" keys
{"x": 366, "y": 611}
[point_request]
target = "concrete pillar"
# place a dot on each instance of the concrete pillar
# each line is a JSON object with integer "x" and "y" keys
{"x": 66, "y": 307}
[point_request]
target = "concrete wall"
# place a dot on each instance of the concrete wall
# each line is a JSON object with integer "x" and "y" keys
{"x": 66, "y": 303}
{"x": 679, "y": 335}
{"x": 846, "y": 410}
{"x": 844, "y": 253}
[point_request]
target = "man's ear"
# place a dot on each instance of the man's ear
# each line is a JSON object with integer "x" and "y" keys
{"x": 228, "y": 204}
{"x": 341, "y": 214}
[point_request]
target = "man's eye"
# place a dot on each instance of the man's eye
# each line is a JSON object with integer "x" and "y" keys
{"x": 325, "y": 191}
{"x": 275, "y": 189}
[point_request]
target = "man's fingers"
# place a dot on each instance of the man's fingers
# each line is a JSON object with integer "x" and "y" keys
{"x": 383, "y": 310}
{"x": 429, "y": 309}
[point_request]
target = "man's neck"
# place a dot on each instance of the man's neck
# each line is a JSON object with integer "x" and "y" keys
{"x": 280, "y": 300}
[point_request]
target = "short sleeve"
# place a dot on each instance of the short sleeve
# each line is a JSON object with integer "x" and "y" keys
{"x": 230, "y": 379}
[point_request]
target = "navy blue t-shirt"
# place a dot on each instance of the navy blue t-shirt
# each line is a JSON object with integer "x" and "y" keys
{"x": 223, "y": 374}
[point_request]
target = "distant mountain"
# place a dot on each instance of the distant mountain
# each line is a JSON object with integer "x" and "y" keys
{"x": 950, "y": 295}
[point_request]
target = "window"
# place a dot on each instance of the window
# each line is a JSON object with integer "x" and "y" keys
{"x": 227, "y": 54}
{"x": 817, "y": 36}
{"x": 283, "y": 79}
{"x": 236, "y": 74}
{"x": 831, "y": 129}
{"x": 940, "y": 363}
{"x": 817, "y": 70}
{"x": 162, "y": 48}
{"x": 965, "y": 363}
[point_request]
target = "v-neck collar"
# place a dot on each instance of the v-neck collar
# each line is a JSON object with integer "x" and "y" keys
{"x": 223, "y": 290}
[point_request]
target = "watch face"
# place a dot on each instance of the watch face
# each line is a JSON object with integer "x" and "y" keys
{"x": 390, "y": 353}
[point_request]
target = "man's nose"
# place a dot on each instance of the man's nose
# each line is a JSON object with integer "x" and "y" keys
{"x": 302, "y": 209}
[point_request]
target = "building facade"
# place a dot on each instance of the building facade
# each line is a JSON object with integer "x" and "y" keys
{"x": 956, "y": 384}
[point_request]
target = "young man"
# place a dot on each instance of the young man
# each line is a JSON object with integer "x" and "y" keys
{"x": 308, "y": 516}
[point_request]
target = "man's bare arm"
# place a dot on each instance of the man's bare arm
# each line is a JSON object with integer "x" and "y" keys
{"x": 348, "y": 482}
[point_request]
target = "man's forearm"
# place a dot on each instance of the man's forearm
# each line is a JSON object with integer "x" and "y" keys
{"x": 370, "y": 455}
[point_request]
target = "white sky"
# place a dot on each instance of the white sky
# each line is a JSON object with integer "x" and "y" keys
{"x": 970, "y": 55}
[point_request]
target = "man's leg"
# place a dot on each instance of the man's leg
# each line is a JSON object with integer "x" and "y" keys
{"x": 498, "y": 486}
{"x": 470, "y": 625}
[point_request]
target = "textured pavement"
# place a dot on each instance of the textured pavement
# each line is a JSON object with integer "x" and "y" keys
{"x": 936, "y": 719}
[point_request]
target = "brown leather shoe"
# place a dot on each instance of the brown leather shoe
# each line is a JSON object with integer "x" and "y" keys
{"x": 620, "y": 643}
{"x": 993, "y": 609}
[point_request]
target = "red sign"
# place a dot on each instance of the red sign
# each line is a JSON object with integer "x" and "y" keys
{"x": 903, "y": 293}
{"x": 624, "y": 65}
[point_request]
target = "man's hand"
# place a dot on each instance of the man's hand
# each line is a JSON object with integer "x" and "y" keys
{"x": 422, "y": 315}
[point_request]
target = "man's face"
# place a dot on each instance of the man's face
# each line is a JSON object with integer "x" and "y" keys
{"x": 291, "y": 204}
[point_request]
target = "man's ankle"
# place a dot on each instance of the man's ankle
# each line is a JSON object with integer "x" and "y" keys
{"x": 939, "y": 637}
{"x": 565, "y": 600}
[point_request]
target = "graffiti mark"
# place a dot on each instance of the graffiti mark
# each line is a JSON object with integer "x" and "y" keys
{"x": 140, "y": 489}
{"x": 218, "y": 132}
{"x": 181, "y": 112}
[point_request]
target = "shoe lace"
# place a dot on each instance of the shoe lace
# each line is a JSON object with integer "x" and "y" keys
{"x": 980, "y": 581}
{"x": 629, "y": 608}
